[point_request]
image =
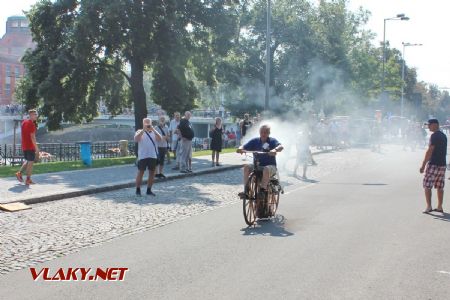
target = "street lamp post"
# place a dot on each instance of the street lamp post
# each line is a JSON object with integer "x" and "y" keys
{"x": 403, "y": 73}
{"x": 266, "y": 102}
{"x": 400, "y": 17}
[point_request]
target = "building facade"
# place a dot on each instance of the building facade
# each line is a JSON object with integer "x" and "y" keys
{"x": 13, "y": 45}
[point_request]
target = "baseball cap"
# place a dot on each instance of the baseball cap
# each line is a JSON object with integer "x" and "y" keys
{"x": 433, "y": 121}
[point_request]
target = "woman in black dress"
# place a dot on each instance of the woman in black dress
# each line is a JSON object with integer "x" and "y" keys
{"x": 216, "y": 141}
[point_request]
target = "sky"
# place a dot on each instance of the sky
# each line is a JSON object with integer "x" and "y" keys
{"x": 427, "y": 26}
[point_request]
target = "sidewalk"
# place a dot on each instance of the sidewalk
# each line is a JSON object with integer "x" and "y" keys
{"x": 62, "y": 185}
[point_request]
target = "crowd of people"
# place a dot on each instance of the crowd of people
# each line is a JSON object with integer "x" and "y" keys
{"x": 161, "y": 139}
{"x": 12, "y": 109}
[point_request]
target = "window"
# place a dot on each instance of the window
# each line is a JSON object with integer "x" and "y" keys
{"x": 8, "y": 80}
{"x": 8, "y": 71}
{"x": 17, "y": 71}
{"x": 8, "y": 89}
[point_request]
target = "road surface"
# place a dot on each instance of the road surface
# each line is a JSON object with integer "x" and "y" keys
{"x": 356, "y": 232}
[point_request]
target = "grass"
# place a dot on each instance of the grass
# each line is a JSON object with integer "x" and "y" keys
{"x": 52, "y": 167}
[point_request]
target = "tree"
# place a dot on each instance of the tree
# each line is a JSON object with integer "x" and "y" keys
{"x": 84, "y": 46}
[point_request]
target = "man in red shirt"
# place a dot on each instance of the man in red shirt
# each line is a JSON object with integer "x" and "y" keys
{"x": 29, "y": 146}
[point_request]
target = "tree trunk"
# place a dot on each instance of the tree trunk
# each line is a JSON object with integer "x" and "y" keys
{"x": 138, "y": 92}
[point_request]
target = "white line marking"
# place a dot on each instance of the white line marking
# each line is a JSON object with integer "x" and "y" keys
{"x": 444, "y": 272}
{"x": 300, "y": 188}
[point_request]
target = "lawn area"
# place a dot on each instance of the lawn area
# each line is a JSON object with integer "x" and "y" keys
{"x": 41, "y": 168}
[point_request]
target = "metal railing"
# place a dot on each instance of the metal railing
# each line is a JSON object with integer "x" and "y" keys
{"x": 50, "y": 152}
{"x": 10, "y": 154}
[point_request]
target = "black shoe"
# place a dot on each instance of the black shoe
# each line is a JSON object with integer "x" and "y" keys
{"x": 138, "y": 192}
{"x": 243, "y": 195}
{"x": 162, "y": 175}
{"x": 184, "y": 171}
{"x": 149, "y": 192}
{"x": 157, "y": 175}
{"x": 189, "y": 170}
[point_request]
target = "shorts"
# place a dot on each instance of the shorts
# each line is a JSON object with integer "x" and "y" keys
{"x": 434, "y": 177}
{"x": 147, "y": 163}
{"x": 273, "y": 173}
{"x": 161, "y": 155}
{"x": 29, "y": 155}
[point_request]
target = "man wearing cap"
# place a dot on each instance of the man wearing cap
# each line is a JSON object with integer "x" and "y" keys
{"x": 434, "y": 165}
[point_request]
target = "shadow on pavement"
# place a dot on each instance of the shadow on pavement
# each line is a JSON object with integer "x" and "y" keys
{"x": 440, "y": 216}
{"x": 18, "y": 188}
{"x": 271, "y": 227}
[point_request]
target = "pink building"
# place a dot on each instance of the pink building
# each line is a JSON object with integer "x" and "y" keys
{"x": 13, "y": 45}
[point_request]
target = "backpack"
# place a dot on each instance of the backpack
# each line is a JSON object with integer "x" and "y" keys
{"x": 186, "y": 130}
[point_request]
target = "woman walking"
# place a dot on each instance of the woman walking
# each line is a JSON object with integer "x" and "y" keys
{"x": 216, "y": 141}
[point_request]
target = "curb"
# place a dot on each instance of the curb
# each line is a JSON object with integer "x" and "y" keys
{"x": 118, "y": 186}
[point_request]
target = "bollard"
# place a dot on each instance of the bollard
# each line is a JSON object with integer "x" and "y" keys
{"x": 85, "y": 151}
{"x": 123, "y": 146}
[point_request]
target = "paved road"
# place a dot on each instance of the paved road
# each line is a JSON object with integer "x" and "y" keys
{"x": 356, "y": 233}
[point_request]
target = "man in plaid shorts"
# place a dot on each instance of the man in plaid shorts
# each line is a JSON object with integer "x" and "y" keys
{"x": 434, "y": 165}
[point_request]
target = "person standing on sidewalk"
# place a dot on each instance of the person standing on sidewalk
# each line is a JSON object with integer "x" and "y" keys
{"x": 175, "y": 139}
{"x": 29, "y": 146}
{"x": 216, "y": 141}
{"x": 434, "y": 165}
{"x": 162, "y": 146}
{"x": 147, "y": 154}
{"x": 245, "y": 126}
{"x": 187, "y": 134}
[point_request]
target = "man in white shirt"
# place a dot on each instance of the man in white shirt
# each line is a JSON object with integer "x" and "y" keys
{"x": 147, "y": 139}
{"x": 173, "y": 130}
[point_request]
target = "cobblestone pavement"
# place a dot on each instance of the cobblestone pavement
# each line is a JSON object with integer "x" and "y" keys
{"x": 53, "y": 229}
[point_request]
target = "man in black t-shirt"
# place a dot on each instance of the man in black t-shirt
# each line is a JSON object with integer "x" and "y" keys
{"x": 187, "y": 134}
{"x": 245, "y": 125}
{"x": 434, "y": 165}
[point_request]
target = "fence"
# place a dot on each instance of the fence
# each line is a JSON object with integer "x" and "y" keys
{"x": 11, "y": 155}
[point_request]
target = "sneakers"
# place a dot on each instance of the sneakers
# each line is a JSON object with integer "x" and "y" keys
{"x": 244, "y": 194}
{"x": 19, "y": 176}
{"x": 160, "y": 176}
{"x": 138, "y": 192}
{"x": 218, "y": 165}
{"x": 29, "y": 181}
{"x": 149, "y": 192}
{"x": 213, "y": 164}
{"x": 184, "y": 171}
{"x": 189, "y": 170}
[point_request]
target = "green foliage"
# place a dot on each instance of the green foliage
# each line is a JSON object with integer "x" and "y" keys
{"x": 84, "y": 46}
{"x": 200, "y": 52}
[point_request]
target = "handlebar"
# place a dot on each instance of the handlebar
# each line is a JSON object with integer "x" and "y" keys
{"x": 257, "y": 152}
